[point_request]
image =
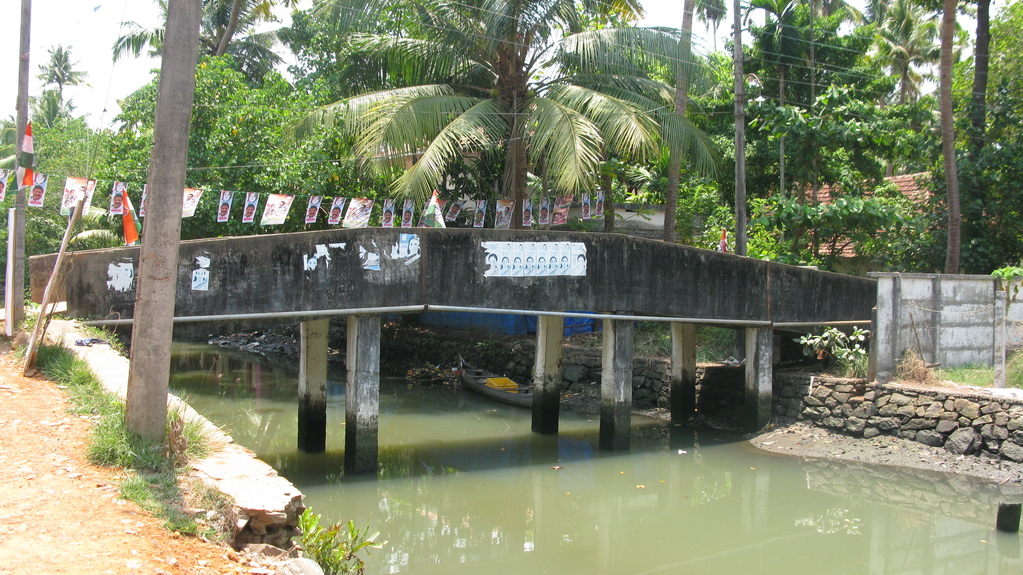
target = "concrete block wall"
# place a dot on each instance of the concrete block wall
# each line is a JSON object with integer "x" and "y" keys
{"x": 952, "y": 320}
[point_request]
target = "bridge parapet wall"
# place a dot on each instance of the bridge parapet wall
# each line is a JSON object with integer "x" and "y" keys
{"x": 481, "y": 269}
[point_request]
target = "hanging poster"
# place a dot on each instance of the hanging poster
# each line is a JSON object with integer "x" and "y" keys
{"x": 453, "y": 211}
{"x": 4, "y": 178}
{"x": 406, "y": 213}
{"x": 117, "y": 193}
{"x": 584, "y": 205}
{"x": 189, "y": 201}
{"x": 598, "y": 212}
{"x": 38, "y": 193}
{"x": 251, "y": 205}
{"x": 75, "y": 189}
{"x": 387, "y": 219}
{"x": 481, "y": 214}
{"x": 337, "y": 208}
{"x": 503, "y": 215}
{"x": 276, "y": 210}
{"x": 312, "y": 209}
{"x": 545, "y": 212}
{"x": 142, "y": 202}
{"x": 224, "y": 209}
{"x": 527, "y": 213}
{"x": 561, "y": 206}
{"x": 358, "y": 213}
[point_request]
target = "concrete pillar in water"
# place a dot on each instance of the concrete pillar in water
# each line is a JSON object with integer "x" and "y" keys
{"x": 362, "y": 390}
{"x": 312, "y": 386}
{"x": 683, "y": 371}
{"x": 616, "y": 385}
{"x": 1008, "y": 517}
{"x": 550, "y": 332}
{"x": 759, "y": 377}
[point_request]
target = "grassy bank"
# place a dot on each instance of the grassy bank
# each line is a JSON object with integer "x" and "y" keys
{"x": 153, "y": 475}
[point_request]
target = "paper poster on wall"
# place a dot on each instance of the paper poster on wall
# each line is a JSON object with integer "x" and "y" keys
{"x": 337, "y": 209}
{"x": 276, "y": 209}
{"x": 560, "y": 215}
{"x": 387, "y": 218}
{"x": 481, "y": 214}
{"x": 38, "y": 193}
{"x": 117, "y": 193}
{"x": 312, "y": 209}
{"x": 224, "y": 207}
{"x": 358, "y": 213}
{"x": 190, "y": 201}
{"x": 251, "y": 205}
{"x": 503, "y": 215}
{"x": 534, "y": 259}
{"x": 74, "y": 190}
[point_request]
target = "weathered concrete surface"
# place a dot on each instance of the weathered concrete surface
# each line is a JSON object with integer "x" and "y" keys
{"x": 266, "y": 506}
{"x": 376, "y": 267}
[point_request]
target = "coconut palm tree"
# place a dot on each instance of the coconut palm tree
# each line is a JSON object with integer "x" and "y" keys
{"x": 60, "y": 71}
{"x": 906, "y": 40}
{"x": 467, "y": 77}
{"x": 222, "y": 22}
{"x": 711, "y": 12}
{"x": 948, "y": 26}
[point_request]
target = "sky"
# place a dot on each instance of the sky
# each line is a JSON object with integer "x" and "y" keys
{"x": 90, "y": 28}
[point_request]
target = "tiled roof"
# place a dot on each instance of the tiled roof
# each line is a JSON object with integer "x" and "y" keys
{"x": 913, "y": 186}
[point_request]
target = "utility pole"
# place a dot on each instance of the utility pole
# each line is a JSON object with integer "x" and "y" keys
{"x": 740, "y": 134}
{"x": 155, "y": 292}
{"x": 14, "y": 296}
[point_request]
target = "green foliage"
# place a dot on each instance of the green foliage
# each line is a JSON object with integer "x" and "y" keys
{"x": 845, "y": 349}
{"x": 335, "y": 547}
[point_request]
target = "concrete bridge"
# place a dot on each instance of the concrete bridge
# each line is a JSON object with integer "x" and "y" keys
{"x": 310, "y": 277}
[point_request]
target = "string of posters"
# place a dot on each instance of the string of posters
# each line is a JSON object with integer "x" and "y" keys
{"x": 343, "y": 211}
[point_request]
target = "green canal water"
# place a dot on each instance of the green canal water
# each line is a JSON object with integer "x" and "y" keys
{"x": 465, "y": 487}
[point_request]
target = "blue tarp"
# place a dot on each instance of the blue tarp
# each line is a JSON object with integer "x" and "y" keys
{"x": 504, "y": 323}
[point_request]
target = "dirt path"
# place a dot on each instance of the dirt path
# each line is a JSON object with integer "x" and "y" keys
{"x": 58, "y": 513}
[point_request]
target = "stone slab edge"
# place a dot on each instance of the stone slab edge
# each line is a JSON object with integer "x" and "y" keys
{"x": 266, "y": 506}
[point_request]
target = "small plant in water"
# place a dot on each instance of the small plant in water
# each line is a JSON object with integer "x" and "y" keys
{"x": 334, "y": 548}
{"x": 847, "y": 351}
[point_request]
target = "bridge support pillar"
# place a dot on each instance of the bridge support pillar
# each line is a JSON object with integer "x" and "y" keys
{"x": 312, "y": 386}
{"x": 683, "y": 371}
{"x": 362, "y": 390}
{"x": 550, "y": 333}
{"x": 616, "y": 386}
{"x": 759, "y": 377}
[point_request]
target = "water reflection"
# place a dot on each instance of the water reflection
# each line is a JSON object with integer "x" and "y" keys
{"x": 466, "y": 487}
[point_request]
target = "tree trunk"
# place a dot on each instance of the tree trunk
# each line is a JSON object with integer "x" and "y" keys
{"x": 740, "y": 134}
{"x": 685, "y": 43}
{"x": 606, "y": 184}
{"x": 14, "y": 296}
{"x": 948, "y": 138}
{"x": 232, "y": 23}
{"x": 155, "y": 291}
{"x": 978, "y": 100}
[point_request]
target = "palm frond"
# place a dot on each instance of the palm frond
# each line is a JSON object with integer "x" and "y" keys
{"x": 622, "y": 124}
{"x": 569, "y": 143}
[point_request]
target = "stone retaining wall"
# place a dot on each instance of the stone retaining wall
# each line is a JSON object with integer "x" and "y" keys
{"x": 988, "y": 423}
